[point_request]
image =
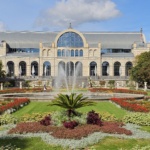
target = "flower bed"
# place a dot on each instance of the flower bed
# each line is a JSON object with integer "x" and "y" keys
{"x": 18, "y": 90}
{"x": 15, "y": 104}
{"x": 108, "y": 90}
{"x": 129, "y": 106}
{"x": 65, "y": 133}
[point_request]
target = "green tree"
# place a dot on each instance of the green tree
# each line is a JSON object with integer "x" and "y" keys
{"x": 141, "y": 70}
{"x": 2, "y": 72}
{"x": 71, "y": 102}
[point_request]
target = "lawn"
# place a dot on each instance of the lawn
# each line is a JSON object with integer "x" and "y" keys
{"x": 112, "y": 143}
{"x": 103, "y": 106}
{"x": 108, "y": 143}
{"x": 146, "y": 128}
{"x": 29, "y": 144}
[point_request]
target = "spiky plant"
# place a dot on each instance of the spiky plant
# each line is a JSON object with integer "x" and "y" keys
{"x": 71, "y": 102}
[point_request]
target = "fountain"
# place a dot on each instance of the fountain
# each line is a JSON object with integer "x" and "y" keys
{"x": 67, "y": 78}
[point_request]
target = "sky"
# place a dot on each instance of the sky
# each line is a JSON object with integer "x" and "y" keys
{"x": 84, "y": 15}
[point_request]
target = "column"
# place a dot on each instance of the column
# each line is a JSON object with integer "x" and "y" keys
{"x": 1, "y": 86}
{"x": 20, "y": 85}
{"x": 145, "y": 86}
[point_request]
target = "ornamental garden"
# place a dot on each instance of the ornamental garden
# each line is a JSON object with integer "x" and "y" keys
{"x": 73, "y": 121}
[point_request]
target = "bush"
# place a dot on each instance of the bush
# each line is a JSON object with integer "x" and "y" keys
{"x": 70, "y": 124}
{"x": 46, "y": 121}
{"x": 105, "y": 116}
{"x": 33, "y": 117}
{"x": 58, "y": 117}
{"x": 7, "y": 119}
{"x": 93, "y": 118}
{"x": 142, "y": 119}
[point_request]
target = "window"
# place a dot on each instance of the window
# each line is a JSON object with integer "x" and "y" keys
{"x": 59, "y": 53}
{"x": 81, "y": 53}
{"x": 70, "y": 39}
{"x": 72, "y": 53}
{"x": 76, "y": 53}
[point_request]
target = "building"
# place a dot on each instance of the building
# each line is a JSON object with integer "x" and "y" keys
{"x": 104, "y": 55}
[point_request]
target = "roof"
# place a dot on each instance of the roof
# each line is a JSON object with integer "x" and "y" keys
{"x": 117, "y": 55}
{"x": 114, "y": 40}
{"x": 107, "y": 39}
{"x": 27, "y": 39}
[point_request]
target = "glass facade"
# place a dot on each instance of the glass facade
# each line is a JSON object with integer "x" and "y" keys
{"x": 69, "y": 53}
{"x": 23, "y": 50}
{"x": 70, "y": 39}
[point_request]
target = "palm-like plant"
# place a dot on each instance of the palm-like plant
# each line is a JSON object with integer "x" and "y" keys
{"x": 71, "y": 102}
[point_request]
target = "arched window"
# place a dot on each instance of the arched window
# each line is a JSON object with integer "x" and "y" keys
{"x": 34, "y": 68}
{"x": 49, "y": 52}
{"x": 76, "y": 53}
{"x": 128, "y": 67}
{"x": 72, "y": 53}
{"x": 117, "y": 69}
{"x": 78, "y": 68}
{"x": 59, "y": 53}
{"x": 105, "y": 68}
{"x": 61, "y": 69}
{"x": 67, "y": 53}
{"x": 44, "y": 52}
{"x": 93, "y": 68}
{"x": 70, "y": 39}
{"x": 22, "y": 68}
{"x": 63, "y": 53}
{"x": 46, "y": 68}
{"x": 10, "y": 70}
{"x": 81, "y": 53}
{"x": 70, "y": 68}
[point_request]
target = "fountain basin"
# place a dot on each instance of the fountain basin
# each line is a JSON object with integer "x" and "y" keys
{"x": 51, "y": 95}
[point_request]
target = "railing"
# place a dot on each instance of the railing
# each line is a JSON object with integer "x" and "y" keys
{"x": 71, "y": 77}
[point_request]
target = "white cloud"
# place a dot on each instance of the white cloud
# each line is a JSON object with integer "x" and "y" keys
{"x": 77, "y": 12}
{"x": 2, "y": 26}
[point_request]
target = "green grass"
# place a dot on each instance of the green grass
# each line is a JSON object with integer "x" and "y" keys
{"x": 29, "y": 144}
{"x": 40, "y": 107}
{"x": 112, "y": 143}
{"x": 108, "y": 143}
{"x": 105, "y": 106}
{"x": 36, "y": 107}
{"x": 145, "y": 128}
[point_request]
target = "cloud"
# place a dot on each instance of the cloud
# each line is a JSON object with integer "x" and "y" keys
{"x": 2, "y": 26}
{"x": 77, "y": 12}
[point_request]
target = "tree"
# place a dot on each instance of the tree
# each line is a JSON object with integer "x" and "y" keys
{"x": 71, "y": 102}
{"x": 141, "y": 70}
{"x": 2, "y": 72}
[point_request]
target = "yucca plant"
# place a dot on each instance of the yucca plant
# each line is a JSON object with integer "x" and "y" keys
{"x": 71, "y": 102}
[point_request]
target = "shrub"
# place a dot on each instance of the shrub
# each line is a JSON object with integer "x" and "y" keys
{"x": 70, "y": 124}
{"x": 93, "y": 118}
{"x": 58, "y": 117}
{"x": 46, "y": 121}
{"x": 138, "y": 118}
{"x": 7, "y": 119}
{"x": 33, "y": 117}
{"x": 105, "y": 116}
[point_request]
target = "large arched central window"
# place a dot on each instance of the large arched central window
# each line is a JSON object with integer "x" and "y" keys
{"x": 70, "y": 39}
